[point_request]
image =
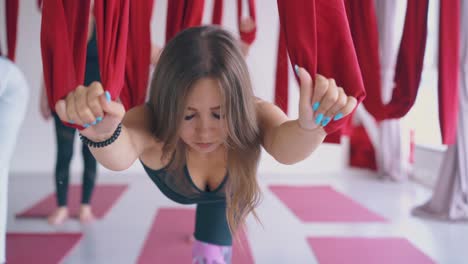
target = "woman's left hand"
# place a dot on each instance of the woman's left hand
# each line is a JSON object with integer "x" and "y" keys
{"x": 321, "y": 102}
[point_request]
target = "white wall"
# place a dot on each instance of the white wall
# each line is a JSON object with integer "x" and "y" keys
{"x": 35, "y": 152}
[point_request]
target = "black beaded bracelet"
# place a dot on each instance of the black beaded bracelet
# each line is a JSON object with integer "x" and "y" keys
{"x": 104, "y": 143}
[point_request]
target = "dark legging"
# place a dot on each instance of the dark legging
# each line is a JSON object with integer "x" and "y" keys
{"x": 65, "y": 140}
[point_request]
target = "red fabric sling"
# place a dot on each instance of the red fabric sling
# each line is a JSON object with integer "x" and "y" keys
{"x": 449, "y": 49}
{"x": 138, "y": 54}
{"x": 363, "y": 24}
{"x": 182, "y": 14}
{"x": 112, "y": 22}
{"x": 282, "y": 78}
{"x": 64, "y": 31}
{"x": 11, "y": 9}
{"x": 318, "y": 38}
{"x": 410, "y": 60}
{"x": 247, "y": 37}
{"x": 217, "y": 16}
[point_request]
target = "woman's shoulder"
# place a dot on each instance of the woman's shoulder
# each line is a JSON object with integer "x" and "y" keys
{"x": 138, "y": 121}
{"x": 269, "y": 112}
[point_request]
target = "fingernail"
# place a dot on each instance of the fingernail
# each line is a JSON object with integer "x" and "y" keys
{"x": 296, "y": 69}
{"x": 86, "y": 125}
{"x": 108, "y": 96}
{"x": 325, "y": 121}
{"x": 94, "y": 122}
{"x": 318, "y": 119}
{"x": 316, "y": 106}
{"x": 71, "y": 122}
{"x": 99, "y": 119}
{"x": 338, "y": 116}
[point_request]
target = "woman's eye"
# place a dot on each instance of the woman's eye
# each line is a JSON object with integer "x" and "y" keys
{"x": 189, "y": 117}
{"x": 217, "y": 116}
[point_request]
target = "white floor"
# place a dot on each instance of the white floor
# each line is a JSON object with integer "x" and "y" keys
{"x": 119, "y": 237}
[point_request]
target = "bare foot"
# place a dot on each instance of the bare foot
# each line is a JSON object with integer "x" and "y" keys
{"x": 58, "y": 216}
{"x": 86, "y": 214}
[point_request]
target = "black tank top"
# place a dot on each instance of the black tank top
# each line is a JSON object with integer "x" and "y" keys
{"x": 181, "y": 188}
{"x": 211, "y": 224}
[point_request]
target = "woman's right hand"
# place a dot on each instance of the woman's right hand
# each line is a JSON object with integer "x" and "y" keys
{"x": 92, "y": 108}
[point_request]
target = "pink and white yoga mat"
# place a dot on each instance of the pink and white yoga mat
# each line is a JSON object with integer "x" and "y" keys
{"x": 336, "y": 250}
{"x": 24, "y": 248}
{"x": 323, "y": 204}
{"x": 167, "y": 240}
{"x": 104, "y": 197}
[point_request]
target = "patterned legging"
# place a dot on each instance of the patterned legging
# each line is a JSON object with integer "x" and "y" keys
{"x": 206, "y": 253}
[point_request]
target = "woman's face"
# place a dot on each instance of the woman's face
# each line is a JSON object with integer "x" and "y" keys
{"x": 203, "y": 128}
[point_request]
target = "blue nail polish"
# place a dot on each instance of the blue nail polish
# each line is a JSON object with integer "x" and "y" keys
{"x": 71, "y": 122}
{"x": 316, "y": 106}
{"x": 296, "y": 69}
{"x": 99, "y": 119}
{"x": 108, "y": 96}
{"x": 325, "y": 121}
{"x": 86, "y": 125}
{"x": 318, "y": 119}
{"x": 338, "y": 116}
{"x": 94, "y": 122}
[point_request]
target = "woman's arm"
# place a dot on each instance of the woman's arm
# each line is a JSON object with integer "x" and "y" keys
{"x": 285, "y": 139}
{"x": 89, "y": 107}
{"x": 290, "y": 141}
{"x": 133, "y": 141}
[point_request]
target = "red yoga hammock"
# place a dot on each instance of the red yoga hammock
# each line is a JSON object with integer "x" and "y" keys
{"x": 63, "y": 44}
{"x": 138, "y": 54}
{"x": 318, "y": 38}
{"x": 363, "y": 24}
{"x": 11, "y": 9}
{"x": 182, "y": 14}
{"x": 449, "y": 49}
{"x": 247, "y": 37}
{"x": 112, "y": 22}
{"x": 217, "y": 16}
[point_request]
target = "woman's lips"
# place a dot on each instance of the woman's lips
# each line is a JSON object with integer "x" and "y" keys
{"x": 204, "y": 145}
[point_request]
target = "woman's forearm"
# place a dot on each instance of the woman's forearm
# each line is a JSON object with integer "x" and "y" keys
{"x": 292, "y": 143}
{"x": 119, "y": 155}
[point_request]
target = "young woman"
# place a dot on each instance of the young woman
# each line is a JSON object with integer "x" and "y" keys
{"x": 199, "y": 135}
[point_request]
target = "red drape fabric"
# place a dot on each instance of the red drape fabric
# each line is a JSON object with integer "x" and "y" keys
{"x": 362, "y": 153}
{"x": 318, "y": 38}
{"x": 112, "y": 23}
{"x": 11, "y": 9}
{"x": 138, "y": 54}
{"x": 363, "y": 24}
{"x": 410, "y": 59}
{"x": 282, "y": 78}
{"x": 217, "y": 16}
{"x": 449, "y": 49}
{"x": 182, "y": 14}
{"x": 247, "y": 37}
{"x": 64, "y": 31}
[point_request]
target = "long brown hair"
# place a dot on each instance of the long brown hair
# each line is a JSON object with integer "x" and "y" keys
{"x": 202, "y": 52}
